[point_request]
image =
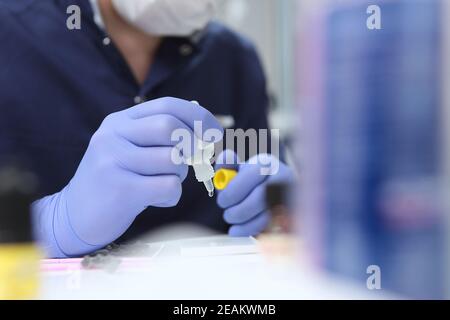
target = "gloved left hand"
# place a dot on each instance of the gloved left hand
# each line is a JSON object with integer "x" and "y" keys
{"x": 244, "y": 199}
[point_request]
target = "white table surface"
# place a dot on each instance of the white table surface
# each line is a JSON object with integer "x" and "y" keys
{"x": 244, "y": 276}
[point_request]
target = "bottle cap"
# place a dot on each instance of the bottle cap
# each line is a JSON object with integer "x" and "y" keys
{"x": 223, "y": 177}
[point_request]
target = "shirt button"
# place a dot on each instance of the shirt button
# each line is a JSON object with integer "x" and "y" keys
{"x": 185, "y": 50}
{"x": 138, "y": 99}
{"x": 106, "y": 41}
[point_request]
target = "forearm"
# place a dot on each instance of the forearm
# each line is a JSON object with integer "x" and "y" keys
{"x": 53, "y": 230}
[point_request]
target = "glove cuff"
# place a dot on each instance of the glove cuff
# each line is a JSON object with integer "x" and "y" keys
{"x": 53, "y": 230}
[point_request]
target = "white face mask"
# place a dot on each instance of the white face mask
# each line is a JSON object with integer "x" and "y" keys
{"x": 167, "y": 17}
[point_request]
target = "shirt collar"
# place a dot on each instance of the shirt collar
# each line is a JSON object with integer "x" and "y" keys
{"x": 98, "y": 19}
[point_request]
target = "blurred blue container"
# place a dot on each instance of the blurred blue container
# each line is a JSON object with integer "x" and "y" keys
{"x": 372, "y": 159}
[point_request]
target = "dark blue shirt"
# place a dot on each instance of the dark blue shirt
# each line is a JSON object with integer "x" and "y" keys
{"x": 57, "y": 85}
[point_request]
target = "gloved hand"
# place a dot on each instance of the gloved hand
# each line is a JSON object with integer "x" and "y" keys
{"x": 244, "y": 199}
{"x": 128, "y": 166}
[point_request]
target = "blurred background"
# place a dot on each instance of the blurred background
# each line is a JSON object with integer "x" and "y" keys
{"x": 270, "y": 25}
{"x": 368, "y": 109}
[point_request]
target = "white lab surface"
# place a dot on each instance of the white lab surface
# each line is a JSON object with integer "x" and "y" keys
{"x": 227, "y": 270}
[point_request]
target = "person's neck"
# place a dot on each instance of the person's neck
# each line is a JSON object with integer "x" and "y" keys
{"x": 137, "y": 47}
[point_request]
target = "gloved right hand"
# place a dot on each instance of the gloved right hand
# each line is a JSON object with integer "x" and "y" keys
{"x": 127, "y": 167}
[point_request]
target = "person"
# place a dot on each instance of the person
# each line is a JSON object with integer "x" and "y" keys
{"x": 93, "y": 109}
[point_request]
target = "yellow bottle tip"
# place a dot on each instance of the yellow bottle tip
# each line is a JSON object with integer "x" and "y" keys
{"x": 223, "y": 177}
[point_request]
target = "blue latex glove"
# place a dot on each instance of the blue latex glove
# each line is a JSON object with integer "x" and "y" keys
{"x": 244, "y": 199}
{"x": 127, "y": 167}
